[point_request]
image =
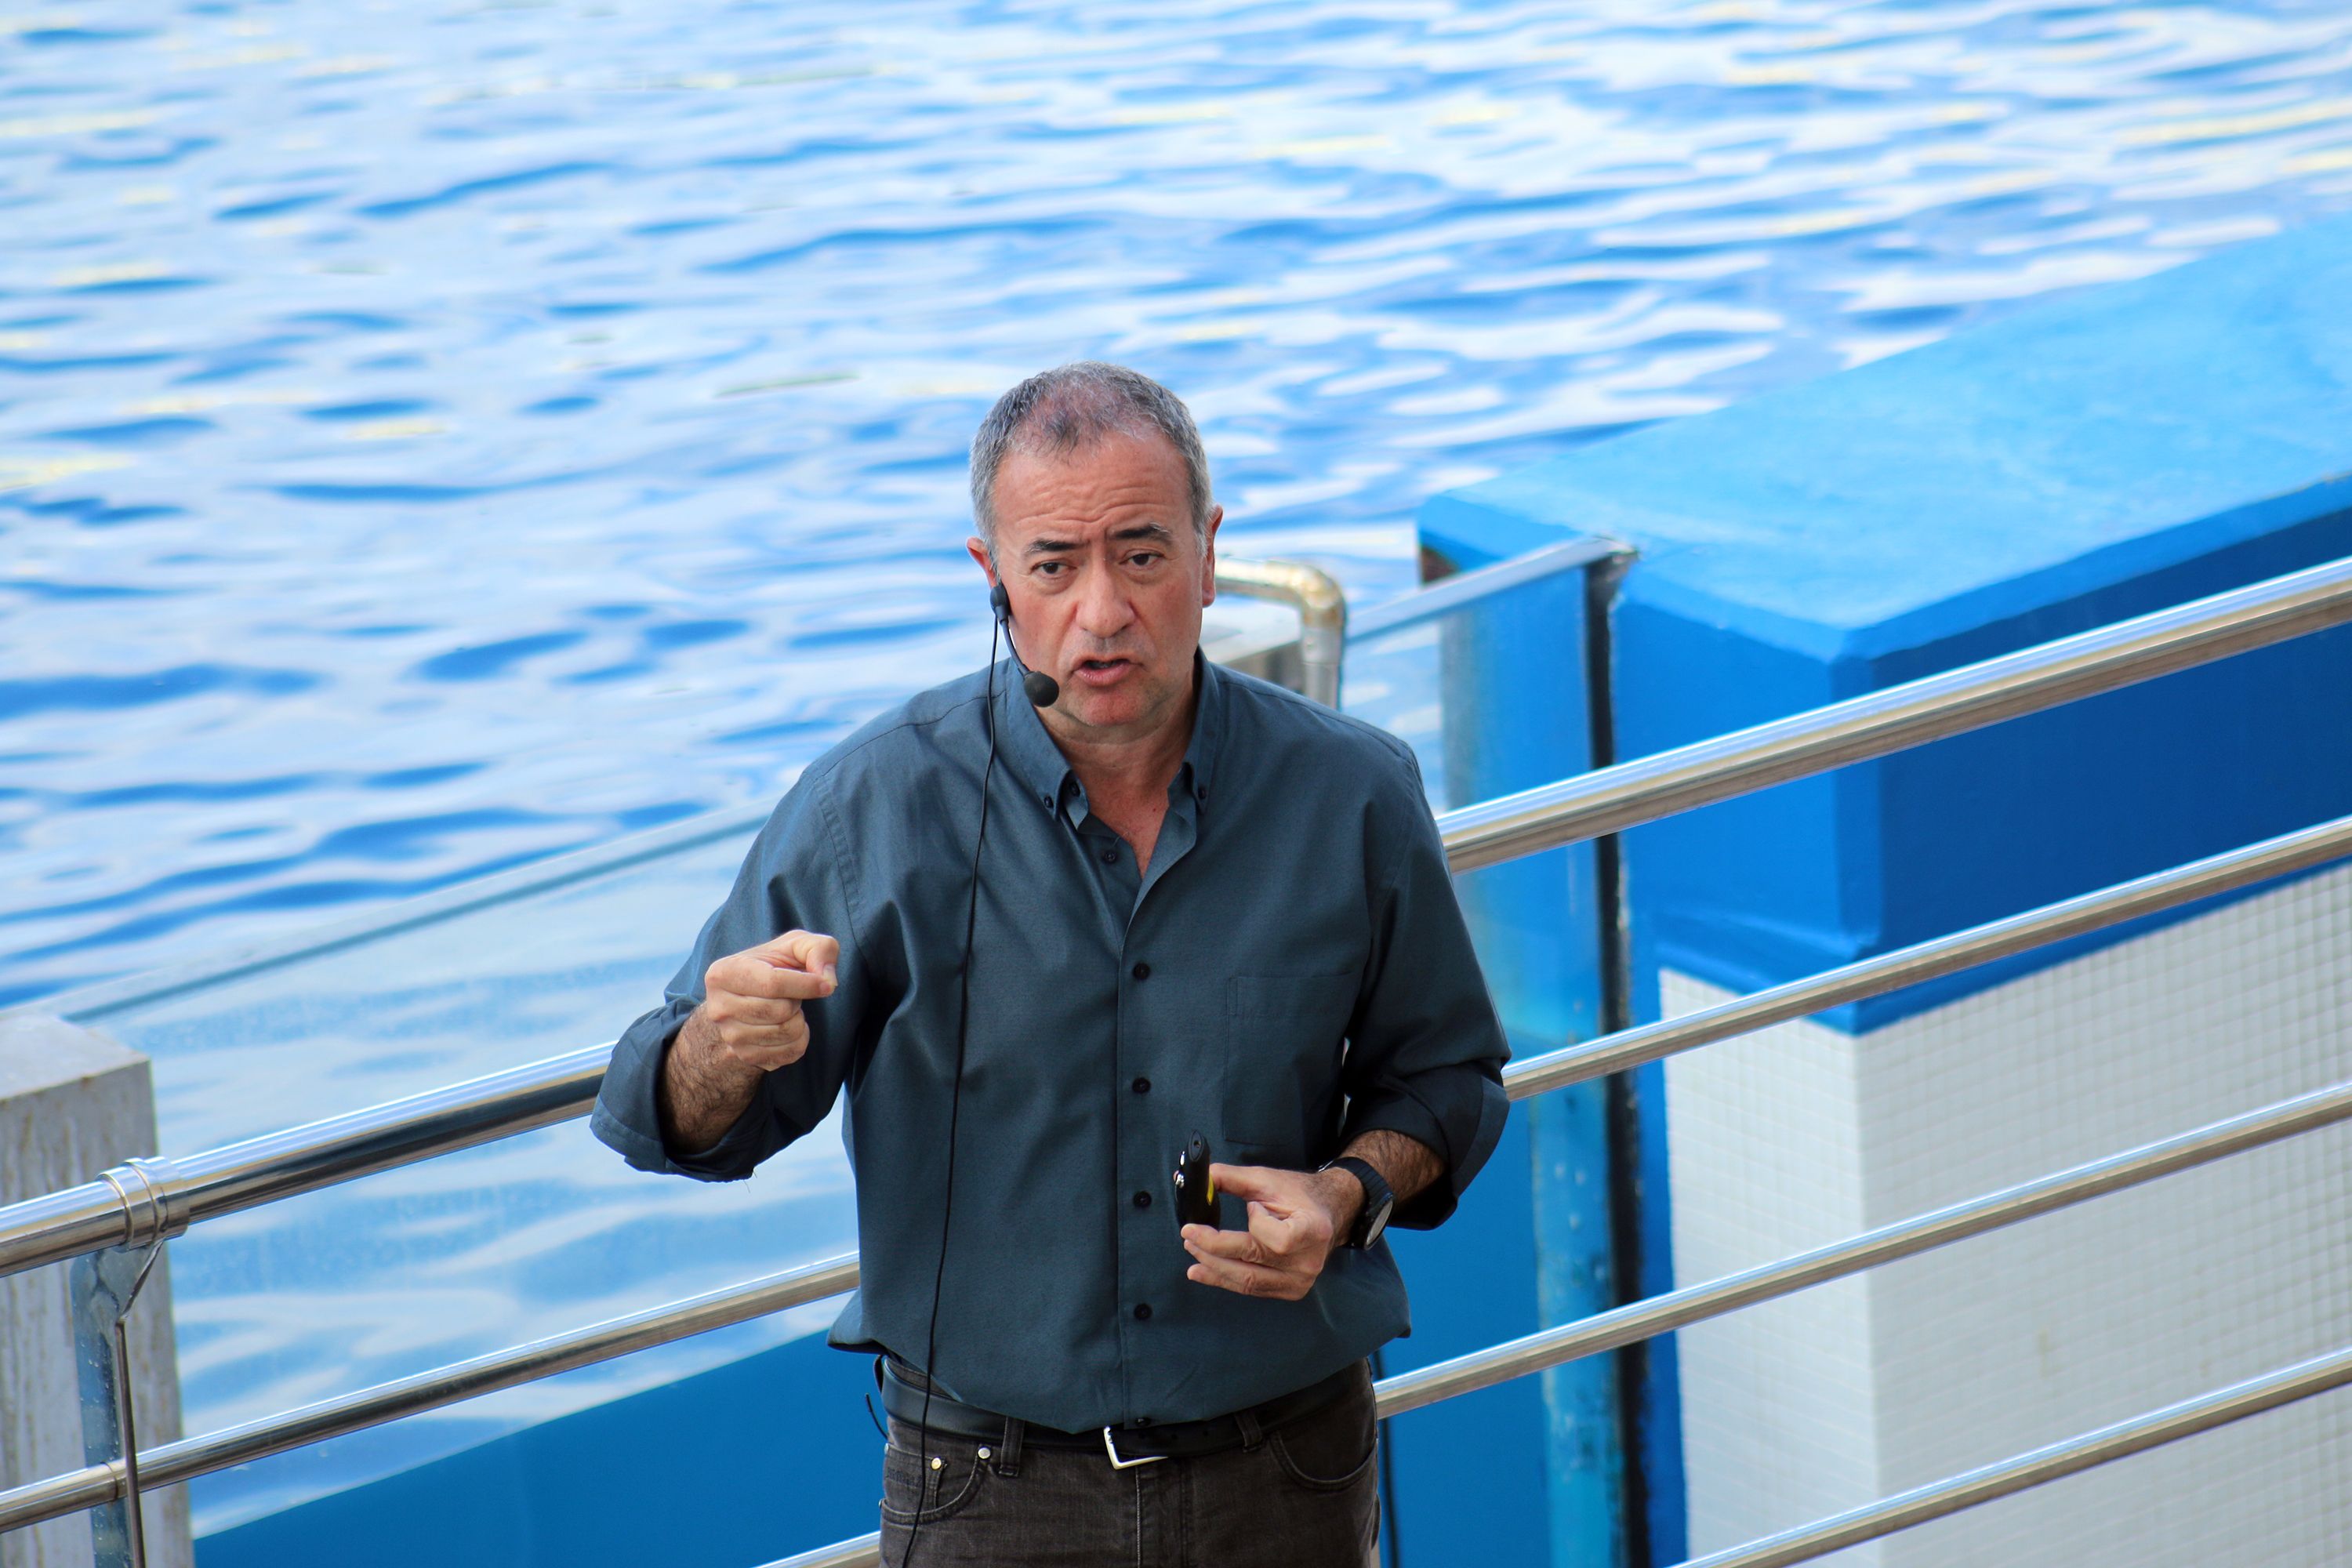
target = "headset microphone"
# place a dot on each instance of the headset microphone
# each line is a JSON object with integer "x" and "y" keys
{"x": 1042, "y": 690}
{"x": 1002, "y": 606}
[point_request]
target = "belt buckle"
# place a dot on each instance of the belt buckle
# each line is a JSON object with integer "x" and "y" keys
{"x": 1117, "y": 1463}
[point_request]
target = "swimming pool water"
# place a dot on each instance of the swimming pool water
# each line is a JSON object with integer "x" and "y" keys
{"x": 434, "y": 438}
{"x": 431, "y": 436}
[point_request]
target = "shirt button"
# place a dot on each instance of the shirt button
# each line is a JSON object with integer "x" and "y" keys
{"x": 1141, "y": 1085}
{"x": 1141, "y": 972}
{"x": 1143, "y": 1200}
{"x": 1143, "y": 1311}
{"x": 1109, "y": 855}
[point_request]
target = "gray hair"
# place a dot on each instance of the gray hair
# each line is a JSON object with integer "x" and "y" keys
{"x": 1072, "y": 408}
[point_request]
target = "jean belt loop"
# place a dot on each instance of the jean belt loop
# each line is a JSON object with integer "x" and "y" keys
{"x": 1252, "y": 1433}
{"x": 1008, "y": 1452}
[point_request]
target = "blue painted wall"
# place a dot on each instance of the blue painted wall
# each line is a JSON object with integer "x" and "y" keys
{"x": 2126, "y": 449}
{"x": 2119, "y": 451}
{"x": 741, "y": 1465}
{"x": 1530, "y": 1471}
{"x": 1469, "y": 1475}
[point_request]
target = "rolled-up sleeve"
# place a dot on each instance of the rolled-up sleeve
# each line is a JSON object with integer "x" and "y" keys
{"x": 1426, "y": 1049}
{"x": 790, "y": 879}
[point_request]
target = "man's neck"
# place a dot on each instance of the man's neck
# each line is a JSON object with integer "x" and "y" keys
{"x": 1135, "y": 769}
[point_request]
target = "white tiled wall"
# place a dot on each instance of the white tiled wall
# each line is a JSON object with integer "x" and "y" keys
{"x": 1800, "y": 1134}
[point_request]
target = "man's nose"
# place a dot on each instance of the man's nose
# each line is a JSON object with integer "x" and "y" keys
{"x": 1104, "y": 608}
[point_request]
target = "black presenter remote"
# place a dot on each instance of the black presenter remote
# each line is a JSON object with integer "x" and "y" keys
{"x": 1196, "y": 1190}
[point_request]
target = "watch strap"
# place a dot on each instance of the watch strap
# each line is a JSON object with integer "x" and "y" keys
{"x": 1373, "y": 1217}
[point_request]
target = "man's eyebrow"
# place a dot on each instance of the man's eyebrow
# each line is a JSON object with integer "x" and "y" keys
{"x": 1151, "y": 530}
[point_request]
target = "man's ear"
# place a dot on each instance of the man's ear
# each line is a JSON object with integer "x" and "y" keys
{"x": 1209, "y": 556}
{"x": 977, "y": 548}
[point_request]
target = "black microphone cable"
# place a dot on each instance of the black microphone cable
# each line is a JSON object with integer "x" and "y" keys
{"x": 955, "y": 1103}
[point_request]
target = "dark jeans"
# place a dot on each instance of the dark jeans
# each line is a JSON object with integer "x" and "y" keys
{"x": 1305, "y": 1495}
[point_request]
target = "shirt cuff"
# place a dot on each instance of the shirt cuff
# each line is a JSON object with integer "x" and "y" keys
{"x": 628, "y": 1116}
{"x": 1431, "y": 1206}
{"x": 737, "y": 1150}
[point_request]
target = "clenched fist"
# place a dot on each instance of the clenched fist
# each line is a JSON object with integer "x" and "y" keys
{"x": 751, "y": 999}
{"x": 750, "y": 1024}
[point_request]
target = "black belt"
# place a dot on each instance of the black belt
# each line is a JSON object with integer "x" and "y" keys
{"x": 903, "y": 1397}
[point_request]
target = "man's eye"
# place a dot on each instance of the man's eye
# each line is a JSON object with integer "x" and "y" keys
{"x": 1052, "y": 568}
{"x": 1144, "y": 558}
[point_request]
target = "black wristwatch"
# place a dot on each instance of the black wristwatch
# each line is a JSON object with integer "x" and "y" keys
{"x": 1378, "y": 1202}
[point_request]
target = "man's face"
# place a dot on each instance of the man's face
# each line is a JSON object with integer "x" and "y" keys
{"x": 1106, "y": 579}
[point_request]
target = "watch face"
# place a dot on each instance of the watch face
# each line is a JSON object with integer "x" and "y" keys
{"x": 1377, "y": 1221}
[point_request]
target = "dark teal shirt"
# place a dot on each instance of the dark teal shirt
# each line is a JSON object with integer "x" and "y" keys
{"x": 1292, "y": 970}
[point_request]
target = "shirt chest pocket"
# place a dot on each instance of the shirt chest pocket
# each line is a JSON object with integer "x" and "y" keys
{"x": 1284, "y": 1040}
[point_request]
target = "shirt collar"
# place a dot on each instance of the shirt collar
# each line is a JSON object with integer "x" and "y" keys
{"x": 1030, "y": 754}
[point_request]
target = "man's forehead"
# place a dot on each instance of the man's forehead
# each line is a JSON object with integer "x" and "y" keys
{"x": 1116, "y": 485}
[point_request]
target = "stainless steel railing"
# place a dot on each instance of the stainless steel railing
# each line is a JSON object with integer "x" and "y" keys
{"x": 2041, "y": 1466}
{"x": 164, "y": 1197}
{"x": 1607, "y": 800}
{"x": 298, "y": 1160}
{"x": 1622, "y": 1326}
{"x": 1663, "y": 1314}
{"x": 2006, "y": 938}
{"x": 301, "y": 1159}
{"x": 1952, "y": 703}
{"x": 168, "y": 1464}
{"x": 171, "y": 1463}
{"x": 1322, "y": 615}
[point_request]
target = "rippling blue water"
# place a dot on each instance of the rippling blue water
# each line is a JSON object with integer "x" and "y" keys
{"x": 432, "y": 439}
{"x": 432, "y": 436}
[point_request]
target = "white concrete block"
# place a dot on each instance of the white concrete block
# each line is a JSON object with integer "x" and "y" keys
{"x": 73, "y": 1103}
{"x": 1801, "y": 1133}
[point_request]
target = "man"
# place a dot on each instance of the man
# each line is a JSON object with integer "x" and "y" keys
{"x": 1203, "y": 906}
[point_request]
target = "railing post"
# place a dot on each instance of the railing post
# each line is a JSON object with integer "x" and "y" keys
{"x": 103, "y": 1284}
{"x": 1516, "y": 697}
{"x": 72, "y": 1369}
{"x": 1322, "y": 614}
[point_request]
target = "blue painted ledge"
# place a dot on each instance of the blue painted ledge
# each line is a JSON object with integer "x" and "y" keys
{"x": 2126, "y": 448}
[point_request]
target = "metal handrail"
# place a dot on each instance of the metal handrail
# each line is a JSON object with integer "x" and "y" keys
{"x": 99, "y": 999}
{"x": 1322, "y": 615}
{"x": 304, "y": 1158}
{"x": 168, "y": 1464}
{"x": 104, "y": 999}
{"x": 2011, "y": 1205}
{"x": 63, "y": 1225}
{"x": 1872, "y": 725}
{"x": 866, "y": 1552}
{"x": 2184, "y": 884}
{"x": 1636, "y": 1321}
{"x": 2040, "y": 1466}
{"x": 200, "y": 1186}
{"x": 1450, "y": 595}
{"x": 298, "y": 1160}
{"x": 173, "y": 1462}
